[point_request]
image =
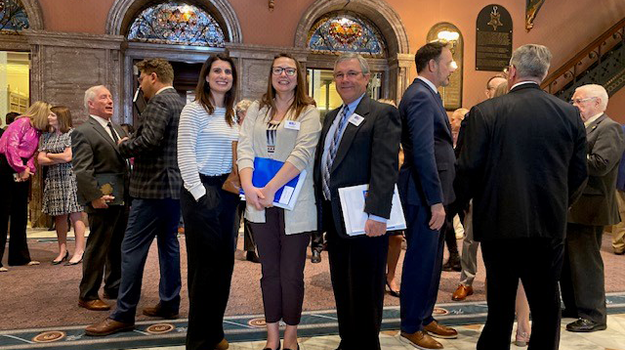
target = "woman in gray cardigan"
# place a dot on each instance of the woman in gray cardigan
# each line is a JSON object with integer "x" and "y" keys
{"x": 283, "y": 126}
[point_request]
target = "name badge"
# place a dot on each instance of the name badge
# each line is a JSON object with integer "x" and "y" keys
{"x": 291, "y": 124}
{"x": 356, "y": 119}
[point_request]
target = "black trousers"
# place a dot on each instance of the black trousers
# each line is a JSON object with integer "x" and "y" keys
{"x": 210, "y": 259}
{"x": 538, "y": 263}
{"x": 13, "y": 204}
{"x": 583, "y": 281}
{"x": 358, "y": 273}
{"x": 103, "y": 252}
{"x": 249, "y": 243}
{"x": 282, "y": 258}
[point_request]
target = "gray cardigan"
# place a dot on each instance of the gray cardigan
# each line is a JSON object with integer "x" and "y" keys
{"x": 295, "y": 147}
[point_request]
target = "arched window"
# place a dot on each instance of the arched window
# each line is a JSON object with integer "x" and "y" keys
{"x": 13, "y": 16}
{"x": 176, "y": 23}
{"x": 340, "y": 32}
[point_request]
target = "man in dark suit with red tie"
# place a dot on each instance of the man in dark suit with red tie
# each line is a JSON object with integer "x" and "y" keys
{"x": 359, "y": 145}
{"x": 426, "y": 187}
{"x": 523, "y": 163}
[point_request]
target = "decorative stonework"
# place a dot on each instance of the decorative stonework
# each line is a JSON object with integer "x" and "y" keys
{"x": 340, "y": 32}
{"x": 377, "y": 11}
{"x": 177, "y": 23}
{"x": 123, "y": 12}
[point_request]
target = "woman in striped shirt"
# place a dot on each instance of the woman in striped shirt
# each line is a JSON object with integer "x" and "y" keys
{"x": 205, "y": 135}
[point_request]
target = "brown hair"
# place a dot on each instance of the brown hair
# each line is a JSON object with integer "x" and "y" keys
{"x": 161, "y": 67}
{"x": 203, "y": 93}
{"x": 428, "y": 52}
{"x": 501, "y": 89}
{"x": 63, "y": 117}
{"x": 38, "y": 114}
{"x": 301, "y": 99}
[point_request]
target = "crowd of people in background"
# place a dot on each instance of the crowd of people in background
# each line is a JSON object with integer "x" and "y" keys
{"x": 522, "y": 171}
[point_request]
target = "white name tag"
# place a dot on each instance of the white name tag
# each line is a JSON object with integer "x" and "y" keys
{"x": 356, "y": 119}
{"x": 291, "y": 124}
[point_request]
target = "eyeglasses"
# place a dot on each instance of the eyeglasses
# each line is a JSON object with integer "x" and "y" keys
{"x": 580, "y": 100}
{"x": 289, "y": 71}
{"x": 351, "y": 74}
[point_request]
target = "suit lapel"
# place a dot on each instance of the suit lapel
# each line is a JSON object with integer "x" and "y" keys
{"x": 100, "y": 130}
{"x": 595, "y": 124}
{"x": 350, "y": 131}
{"x": 327, "y": 122}
{"x": 439, "y": 104}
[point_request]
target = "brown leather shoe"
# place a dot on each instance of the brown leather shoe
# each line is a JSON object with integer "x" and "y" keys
{"x": 160, "y": 311}
{"x": 108, "y": 326}
{"x": 223, "y": 345}
{"x": 420, "y": 340}
{"x": 462, "y": 292}
{"x": 439, "y": 331}
{"x": 94, "y": 305}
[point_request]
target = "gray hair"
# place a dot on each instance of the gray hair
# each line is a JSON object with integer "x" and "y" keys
{"x": 531, "y": 61}
{"x": 91, "y": 94}
{"x": 598, "y": 91}
{"x": 364, "y": 66}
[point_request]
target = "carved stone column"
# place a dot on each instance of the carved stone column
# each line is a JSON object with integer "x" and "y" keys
{"x": 399, "y": 73}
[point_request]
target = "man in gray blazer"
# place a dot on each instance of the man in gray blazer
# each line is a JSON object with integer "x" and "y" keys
{"x": 95, "y": 157}
{"x": 155, "y": 186}
{"x": 583, "y": 287}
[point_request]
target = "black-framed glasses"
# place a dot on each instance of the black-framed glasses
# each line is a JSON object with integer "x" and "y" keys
{"x": 288, "y": 70}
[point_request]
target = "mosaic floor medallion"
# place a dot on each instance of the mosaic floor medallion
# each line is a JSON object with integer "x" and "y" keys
{"x": 48, "y": 337}
{"x": 160, "y": 328}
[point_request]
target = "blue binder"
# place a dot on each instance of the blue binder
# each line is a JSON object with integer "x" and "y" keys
{"x": 264, "y": 170}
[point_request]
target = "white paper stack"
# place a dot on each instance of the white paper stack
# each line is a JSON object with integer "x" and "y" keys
{"x": 353, "y": 205}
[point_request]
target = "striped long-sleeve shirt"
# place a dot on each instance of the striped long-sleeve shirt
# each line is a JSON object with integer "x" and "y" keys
{"x": 204, "y": 146}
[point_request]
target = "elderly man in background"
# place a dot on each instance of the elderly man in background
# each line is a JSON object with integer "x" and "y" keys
{"x": 583, "y": 285}
{"x": 97, "y": 163}
{"x": 523, "y": 163}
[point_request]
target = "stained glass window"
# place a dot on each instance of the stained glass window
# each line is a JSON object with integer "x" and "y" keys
{"x": 12, "y": 16}
{"x": 344, "y": 32}
{"x": 176, "y": 23}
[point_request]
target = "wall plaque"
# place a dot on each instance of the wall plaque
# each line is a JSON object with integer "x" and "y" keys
{"x": 452, "y": 93}
{"x": 493, "y": 39}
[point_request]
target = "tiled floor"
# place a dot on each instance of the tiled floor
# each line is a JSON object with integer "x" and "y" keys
{"x": 611, "y": 339}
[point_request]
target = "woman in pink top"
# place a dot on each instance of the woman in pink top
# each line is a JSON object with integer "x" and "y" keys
{"x": 18, "y": 146}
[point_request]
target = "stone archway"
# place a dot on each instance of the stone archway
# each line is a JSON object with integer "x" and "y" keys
{"x": 35, "y": 17}
{"x": 123, "y": 11}
{"x": 377, "y": 11}
{"x": 387, "y": 20}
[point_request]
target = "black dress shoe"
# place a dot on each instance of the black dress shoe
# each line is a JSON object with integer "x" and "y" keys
{"x": 453, "y": 264}
{"x": 394, "y": 293}
{"x": 585, "y": 325}
{"x": 316, "y": 257}
{"x": 278, "y": 348}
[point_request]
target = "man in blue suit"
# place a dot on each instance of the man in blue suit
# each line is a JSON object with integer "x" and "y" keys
{"x": 426, "y": 187}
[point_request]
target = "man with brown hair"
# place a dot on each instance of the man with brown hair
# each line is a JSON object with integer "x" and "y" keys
{"x": 155, "y": 186}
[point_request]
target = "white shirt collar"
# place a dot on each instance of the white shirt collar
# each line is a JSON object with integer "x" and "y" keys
{"x": 102, "y": 121}
{"x": 428, "y": 83}
{"x": 163, "y": 89}
{"x": 523, "y": 82}
{"x": 592, "y": 119}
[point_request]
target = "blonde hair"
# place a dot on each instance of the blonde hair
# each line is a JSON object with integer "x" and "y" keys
{"x": 501, "y": 89}
{"x": 38, "y": 114}
{"x": 388, "y": 101}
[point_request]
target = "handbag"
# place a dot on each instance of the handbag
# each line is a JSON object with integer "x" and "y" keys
{"x": 233, "y": 182}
